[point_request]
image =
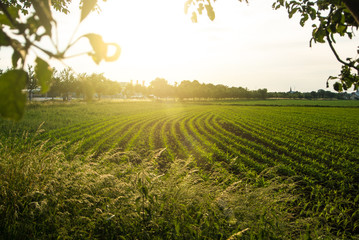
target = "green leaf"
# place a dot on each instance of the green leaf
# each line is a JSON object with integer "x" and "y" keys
{"x": 15, "y": 58}
{"x": 43, "y": 73}
{"x": 12, "y": 99}
{"x": 99, "y": 47}
{"x": 87, "y": 7}
{"x": 312, "y": 13}
{"x": 337, "y": 16}
{"x": 13, "y": 12}
{"x": 200, "y": 8}
{"x": 43, "y": 11}
{"x": 319, "y": 35}
{"x": 210, "y": 12}
{"x": 187, "y": 5}
{"x": 19, "y": 52}
{"x": 303, "y": 19}
{"x": 33, "y": 24}
{"x": 116, "y": 55}
{"x": 338, "y": 87}
{"x": 194, "y": 17}
{"x": 292, "y": 12}
{"x": 342, "y": 19}
{"x": 341, "y": 29}
{"x": 4, "y": 20}
{"x": 4, "y": 39}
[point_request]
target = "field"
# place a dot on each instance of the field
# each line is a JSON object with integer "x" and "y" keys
{"x": 274, "y": 169}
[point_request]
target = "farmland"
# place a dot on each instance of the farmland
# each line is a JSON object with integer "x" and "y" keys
{"x": 299, "y": 165}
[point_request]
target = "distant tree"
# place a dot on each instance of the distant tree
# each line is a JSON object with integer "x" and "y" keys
{"x": 243, "y": 92}
{"x": 237, "y": 92}
{"x": 313, "y": 94}
{"x": 67, "y": 83}
{"x": 89, "y": 85}
{"x": 232, "y": 92}
{"x": 196, "y": 89}
{"x": 262, "y": 93}
{"x": 129, "y": 90}
{"x": 208, "y": 90}
{"x": 99, "y": 83}
{"x": 104, "y": 86}
{"x": 188, "y": 89}
{"x": 55, "y": 89}
{"x": 140, "y": 89}
{"x": 160, "y": 88}
{"x": 221, "y": 91}
{"x": 85, "y": 86}
{"x": 112, "y": 87}
{"x": 31, "y": 83}
{"x": 184, "y": 89}
{"x": 325, "y": 94}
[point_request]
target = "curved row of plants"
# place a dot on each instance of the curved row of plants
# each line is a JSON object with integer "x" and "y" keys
{"x": 321, "y": 153}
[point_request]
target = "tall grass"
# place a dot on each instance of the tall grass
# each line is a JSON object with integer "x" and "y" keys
{"x": 44, "y": 194}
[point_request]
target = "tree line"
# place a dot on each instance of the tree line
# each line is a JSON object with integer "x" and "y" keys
{"x": 66, "y": 85}
{"x": 195, "y": 90}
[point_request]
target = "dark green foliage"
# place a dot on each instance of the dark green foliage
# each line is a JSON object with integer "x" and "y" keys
{"x": 44, "y": 74}
{"x": 12, "y": 99}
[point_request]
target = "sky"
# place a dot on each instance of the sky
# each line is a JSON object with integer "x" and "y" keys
{"x": 248, "y": 45}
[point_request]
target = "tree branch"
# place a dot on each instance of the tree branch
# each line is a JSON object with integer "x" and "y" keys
{"x": 353, "y": 6}
{"x": 335, "y": 52}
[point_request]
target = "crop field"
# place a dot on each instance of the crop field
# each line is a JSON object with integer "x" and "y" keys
{"x": 312, "y": 149}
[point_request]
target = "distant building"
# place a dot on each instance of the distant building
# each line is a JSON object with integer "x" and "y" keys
{"x": 291, "y": 91}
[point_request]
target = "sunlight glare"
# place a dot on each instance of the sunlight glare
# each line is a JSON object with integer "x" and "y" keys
{"x": 149, "y": 32}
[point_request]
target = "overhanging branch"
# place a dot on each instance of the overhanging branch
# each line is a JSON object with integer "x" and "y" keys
{"x": 335, "y": 52}
{"x": 353, "y": 6}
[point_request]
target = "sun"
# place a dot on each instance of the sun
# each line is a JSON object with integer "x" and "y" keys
{"x": 157, "y": 39}
{"x": 149, "y": 32}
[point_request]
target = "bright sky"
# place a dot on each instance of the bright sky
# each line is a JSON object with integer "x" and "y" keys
{"x": 251, "y": 45}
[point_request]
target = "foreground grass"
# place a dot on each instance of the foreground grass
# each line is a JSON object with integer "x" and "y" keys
{"x": 121, "y": 195}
